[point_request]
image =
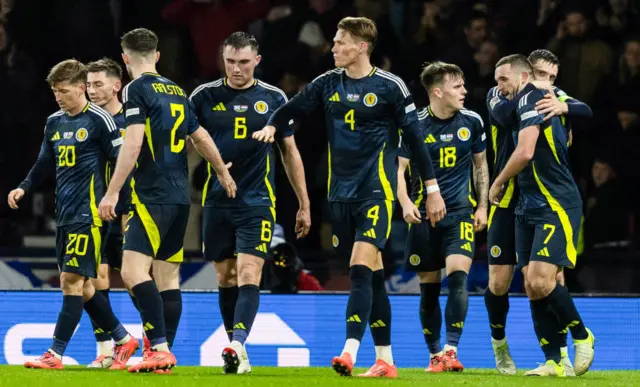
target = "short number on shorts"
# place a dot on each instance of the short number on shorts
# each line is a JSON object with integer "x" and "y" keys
{"x": 466, "y": 231}
{"x": 67, "y": 156}
{"x": 177, "y": 110}
{"x": 240, "y": 128}
{"x": 265, "y": 235}
{"x": 78, "y": 244}
{"x": 350, "y": 119}
{"x": 549, "y": 227}
{"x": 373, "y": 214}
{"x": 447, "y": 157}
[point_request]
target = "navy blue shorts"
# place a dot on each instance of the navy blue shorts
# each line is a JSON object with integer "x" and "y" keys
{"x": 366, "y": 221}
{"x": 157, "y": 230}
{"x": 78, "y": 249}
{"x": 229, "y": 231}
{"x": 501, "y": 236}
{"x": 112, "y": 240}
{"x": 427, "y": 247}
{"x": 548, "y": 236}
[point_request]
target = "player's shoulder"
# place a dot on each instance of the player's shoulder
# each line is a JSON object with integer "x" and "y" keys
{"x": 423, "y": 114}
{"x": 472, "y": 117}
{"x": 206, "y": 88}
{"x": 493, "y": 96}
{"x": 271, "y": 90}
{"x": 530, "y": 96}
{"x": 392, "y": 81}
{"x": 328, "y": 75}
{"x": 559, "y": 92}
{"x": 55, "y": 116}
{"x": 101, "y": 117}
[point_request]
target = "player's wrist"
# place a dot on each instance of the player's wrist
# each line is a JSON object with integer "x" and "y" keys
{"x": 432, "y": 189}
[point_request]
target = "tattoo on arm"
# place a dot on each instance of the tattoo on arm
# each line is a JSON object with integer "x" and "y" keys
{"x": 481, "y": 179}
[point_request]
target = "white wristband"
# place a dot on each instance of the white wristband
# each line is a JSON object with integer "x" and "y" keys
{"x": 432, "y": 189}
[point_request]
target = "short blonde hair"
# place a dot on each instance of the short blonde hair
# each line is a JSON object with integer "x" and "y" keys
{"x": 69, "y": 70}
{"x": 361, "y": 27}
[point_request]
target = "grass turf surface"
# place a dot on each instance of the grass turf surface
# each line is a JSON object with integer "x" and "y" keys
{"x": 284, "y": 377}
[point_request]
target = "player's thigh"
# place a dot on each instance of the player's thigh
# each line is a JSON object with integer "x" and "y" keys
{"x": 373, "y": 221}
{"x": 418, "y": 253}
{"x": 525, "y": 232}
{"x": 78, "y": 249}
{"x": 254, "y": 230}
{"x": 501, "y": 237}
{"x": 141, "y": 235}
{"x": 172, "y": 228}
{"x": 458, "y": 242}
{"x": 342, "y": 229}
{"x": 556, "y": 237}
{"x": 218, "y": 235}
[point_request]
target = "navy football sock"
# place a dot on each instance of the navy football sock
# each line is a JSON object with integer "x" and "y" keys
{"x": 561, "y": 303}
{"x": 101, "y": 334}
{"x": 227, "y": 299}
{"x": 360, "y": 300}
{"x": 246, "y": 311}
{"x": 546, "y": 327}
{"x": 172, "y": 305}
{"x": 497, "y": 307}
{"x": 380, "y": 320}
{"x": 431, "y": 315}
{"x": 152, "y": 312}
{"x": 68, "y": 320}
{"x": 455, "y": 312}
{"x": 99, "y": 310}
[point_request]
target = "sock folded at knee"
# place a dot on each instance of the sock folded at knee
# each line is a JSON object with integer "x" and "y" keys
{"x": 360, "y": 301}
{"x": 431, "y": 315}
{"x": 497, "y": 308}
{"x": 455, "y": 312}
{"x": 172, "y": 305}
{"x": 246, "y": 311}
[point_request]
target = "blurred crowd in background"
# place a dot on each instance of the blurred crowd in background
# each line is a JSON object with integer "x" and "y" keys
{"x": 597, "y": 42}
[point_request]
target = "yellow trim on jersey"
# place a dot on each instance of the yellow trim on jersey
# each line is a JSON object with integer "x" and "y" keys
{"x": 97, "y": 245}
{"x": 151, "y": 73}
{"x": 471, "y": 199}
{"x": 494, "y": 140}
{"x": 147, "y": 133}
{"x": 386, "y": 185}
{"x": 389, "y": 216}
{"x": 268, "y": 183}
{"x": 329, "y": 177}
{"x": 548, "y": 134}
{"x": 206, "y": 184}
{"x": 562, "y": 214}
{"x": 273, "y": 213}
{"x": 492, "y": 212}
{"x": 177, "y": 257}
{"x": 92, "y": 202}
{"x": 150, "y": 227}
{"x": 373, "y": 71}
{"x": 86, "y": 107}
{"x": 508, "y": 195}
{"x": 134, "y": 195}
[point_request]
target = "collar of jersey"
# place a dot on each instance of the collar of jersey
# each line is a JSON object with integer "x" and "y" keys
{"x": 226, "y": 84}
{"x": 436, "y": 118}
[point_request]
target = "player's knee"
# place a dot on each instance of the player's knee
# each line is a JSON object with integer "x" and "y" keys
{"x": 227, "y": 279}
{"x": 499, "y": 285}
{"x": 250, "y": 272}
{"x": 71, "y": 284}
{"x": 102, "y": 282}
{"x": 540, "y": 286}
{"x": 166, "y": 275}
{"x": 88, "y": 290}
{"x": 430, "y": 277}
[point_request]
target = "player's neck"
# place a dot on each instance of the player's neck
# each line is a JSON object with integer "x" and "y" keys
{"x": 113, "y": 106}
{"x": 82, "y": 103}
{"x": 144, "y": 68}
{"x": 442, "y": 111}
{"x": 359, "y": 69}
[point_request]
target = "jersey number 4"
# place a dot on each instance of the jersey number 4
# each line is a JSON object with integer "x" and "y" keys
{"x": 177, "y": 111}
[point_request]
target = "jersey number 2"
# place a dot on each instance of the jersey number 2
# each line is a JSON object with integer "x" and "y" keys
{"x": 177, "y": 110}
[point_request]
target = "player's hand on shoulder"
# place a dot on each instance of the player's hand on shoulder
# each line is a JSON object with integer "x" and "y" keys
{"x": 107, "y": 207}
{"x": 265, "y": 134}
{"x": 227, "y": 182}
{"x": 14, "y": 197}
{"x": 480, "y": 219}
{"x": 411, "y": 213}
{"x": 551, "y": 106}
{"x": 436, "y": 209}
{"x": 495, "y": 193}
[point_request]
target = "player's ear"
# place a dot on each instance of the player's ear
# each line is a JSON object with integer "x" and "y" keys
{"x": 117, "y": 86}
{"x": 258, "y": 59}
{"x": 157, "y": 56}
{"x": 125, "y": 58}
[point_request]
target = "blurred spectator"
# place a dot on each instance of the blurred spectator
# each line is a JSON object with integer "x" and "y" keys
{"x": 387, "y": 53}
{"x": 5, "y": 8}
{"x": 210, "y": 22}
{"x": 607, "y": 216}
{"x": 481, "y": 80}
{"x": 617, "y": 19}
{"x": 463, "y": 49}
{"x": 585, "y": 59}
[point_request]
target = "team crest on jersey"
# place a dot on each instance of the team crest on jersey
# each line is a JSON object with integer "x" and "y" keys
{"x": 414, "y": 259}
{"x": 464, "y": 134}
{"x": 446, "y": 137}
{"x": 335, "y": 241}
{"x": 496, "y": 251}
{"x": 240, "y": 108}
{"x": 82, "y": 134}
{"x": 353, "y": 97}
{"x": 261, "y": 107}
{"x": 370, "y": 99}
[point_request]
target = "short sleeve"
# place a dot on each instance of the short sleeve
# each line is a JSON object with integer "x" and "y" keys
{"x": 404, "y": 109}
{"x": 403, "y": 149}
{"x": 479, "y": 136}
{"x": 135, "y": 107}
{"x": 110, "y": 138}
{"x": 286, "y": 130}
{"x": 192, "y": 123}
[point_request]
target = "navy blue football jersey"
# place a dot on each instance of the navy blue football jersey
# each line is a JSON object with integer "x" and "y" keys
{"x": 161, "y": 173}
{"x": 363, "y": 119}
{"x": 547, "y": 180}
{"x": 451, "y": 142}
{"x": 124, "y": 198}
{"x": 78, "y": 147}
{"x": 231, "y": 116}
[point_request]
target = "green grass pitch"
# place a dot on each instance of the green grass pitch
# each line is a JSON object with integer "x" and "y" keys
{"x": 290, "y": 377}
